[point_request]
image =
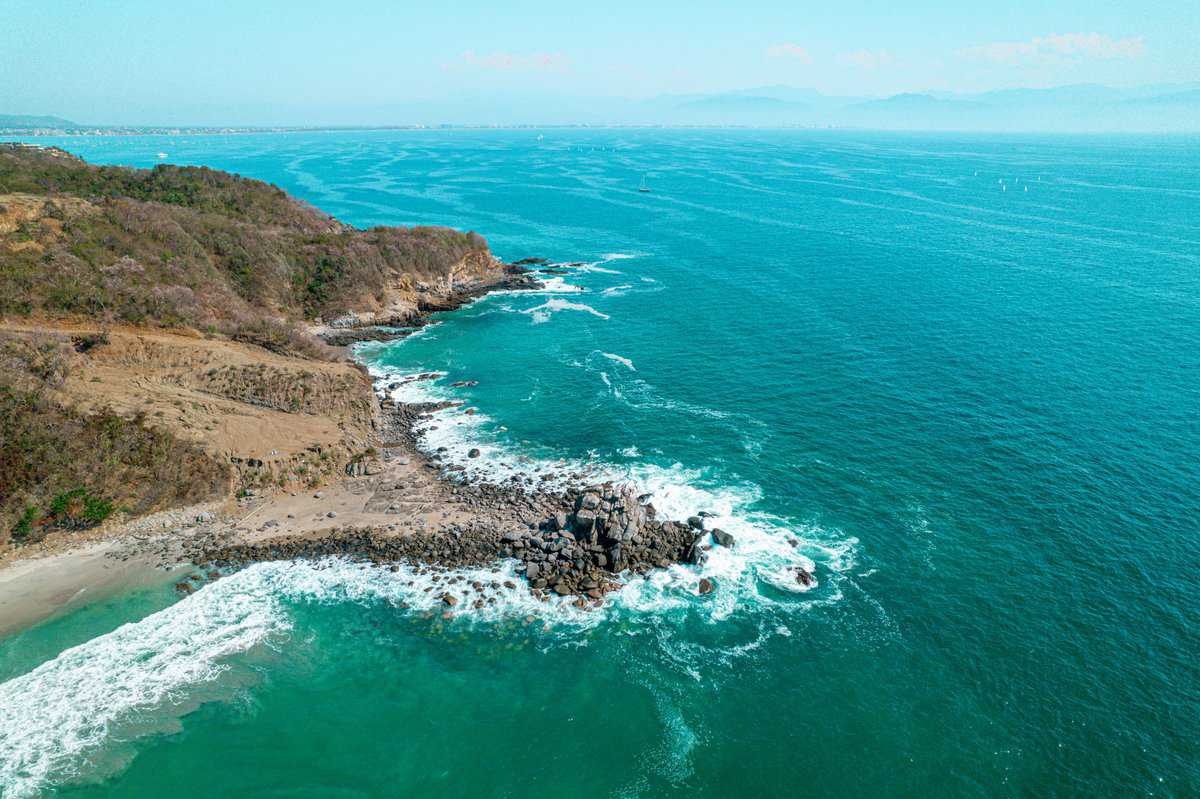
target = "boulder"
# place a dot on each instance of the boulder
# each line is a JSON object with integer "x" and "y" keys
{"x": 585, "y": 522}
{"x": 706, "y": 586}
{"x": 474, "y": 452}
{"x": 723, "y": 538}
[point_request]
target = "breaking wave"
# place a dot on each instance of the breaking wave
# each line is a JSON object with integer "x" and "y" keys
{"x": 628, "y": 364}
{"x": 541, "y": 313}
{"x": 759, "y": 570}
{"x": 141, "y": 678}
{"x": 104, "y": 689}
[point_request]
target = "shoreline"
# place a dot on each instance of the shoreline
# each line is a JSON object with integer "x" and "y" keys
{"x": 39, "y": 589}
{"x": 401, "y": 505}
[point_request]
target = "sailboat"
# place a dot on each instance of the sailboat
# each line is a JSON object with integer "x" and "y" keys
{"x": 643, "y": 188}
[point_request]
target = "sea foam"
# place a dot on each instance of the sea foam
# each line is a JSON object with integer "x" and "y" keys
{"x": 759, "y": 569}
{"x": 51, "y": 717}
{"x": 628, "y": 364}
{"x": 140, "y": 678}
{"x": 541, "y": 313}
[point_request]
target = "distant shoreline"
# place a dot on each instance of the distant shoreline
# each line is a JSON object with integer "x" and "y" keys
{"x": 118, "y": 132}
{"x": 154, "y": 130}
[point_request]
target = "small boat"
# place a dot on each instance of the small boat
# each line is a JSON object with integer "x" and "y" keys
{"x": 643, "y": 188}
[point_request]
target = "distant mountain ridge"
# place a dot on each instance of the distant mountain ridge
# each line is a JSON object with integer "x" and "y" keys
{"x": 1077, "y": 107}
{"x": 1071, "y": 108}
{"x": 25, "y": 121}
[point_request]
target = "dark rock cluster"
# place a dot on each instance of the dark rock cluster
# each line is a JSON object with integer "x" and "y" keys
{"x": 586, "y": 538}
{"x": 475, "y": 545}
{"x": 600, "y": 531}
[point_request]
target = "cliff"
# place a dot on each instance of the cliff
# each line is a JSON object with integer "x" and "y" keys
{"x": 155, "y": 344}
{"x": 191, "y": 247}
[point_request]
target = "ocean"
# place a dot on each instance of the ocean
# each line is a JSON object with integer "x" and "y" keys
{"x": 957, "y": 375}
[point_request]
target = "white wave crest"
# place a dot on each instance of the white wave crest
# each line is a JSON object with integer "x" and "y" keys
{"x": 761, "y": 569}
{"x": 141, "y": 677}
{"x": 67, "y": 707}
{"x": 620, "y": 359}
{"x": 547, "y": 285}
{"x": 556, "y": 285}
{"x": 541, "y": 313}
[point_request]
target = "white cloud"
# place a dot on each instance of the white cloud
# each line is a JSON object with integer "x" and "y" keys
{"x": 789, "y": 50}
{"x": 867, "y": 59}
{"x": 515, "y": 62}
{"x": 1059, "y": 46}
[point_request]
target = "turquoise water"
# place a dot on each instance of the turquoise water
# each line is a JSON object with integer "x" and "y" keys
{"x": 960, "y": 375}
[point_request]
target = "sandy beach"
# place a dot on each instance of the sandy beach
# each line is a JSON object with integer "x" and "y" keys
{"x": 34, "y": 590}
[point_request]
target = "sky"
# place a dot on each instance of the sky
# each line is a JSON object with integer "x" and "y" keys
{"x": 368, "y": 61}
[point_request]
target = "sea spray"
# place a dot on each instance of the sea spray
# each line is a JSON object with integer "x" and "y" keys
{"x": 761, "y": 569}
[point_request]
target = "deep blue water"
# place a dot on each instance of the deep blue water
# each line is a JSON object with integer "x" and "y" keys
{"x": 961, "y": 374}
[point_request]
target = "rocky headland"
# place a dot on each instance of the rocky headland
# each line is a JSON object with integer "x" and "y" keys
{"x": 203, "y": 410}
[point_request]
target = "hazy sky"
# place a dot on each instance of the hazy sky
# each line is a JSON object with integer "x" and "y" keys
{"x": 296, "y": 61}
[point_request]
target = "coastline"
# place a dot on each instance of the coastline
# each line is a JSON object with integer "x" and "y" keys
{"x": 571, "y": 539}
{"x": 37, "y": 589}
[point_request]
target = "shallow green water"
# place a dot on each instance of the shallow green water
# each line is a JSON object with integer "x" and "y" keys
{"x": 959, "y": 373}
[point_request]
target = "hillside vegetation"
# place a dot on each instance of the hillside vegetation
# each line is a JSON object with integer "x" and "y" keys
{"x": 195, "y": 247}
{"x": 128, "y": 299}
{"x": 61, "y": 467}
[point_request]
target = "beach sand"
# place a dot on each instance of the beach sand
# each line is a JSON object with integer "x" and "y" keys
{"x": 36, "y": 589}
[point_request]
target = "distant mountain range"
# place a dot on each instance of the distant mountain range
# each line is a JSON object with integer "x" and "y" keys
{"x": 1082, "y": 107}
{"x": 1075, "y": 108}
